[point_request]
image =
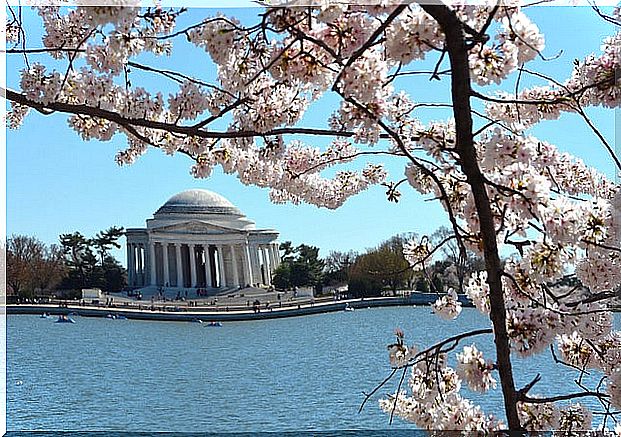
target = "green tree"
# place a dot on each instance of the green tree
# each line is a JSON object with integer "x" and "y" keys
{"x": 79, "y": 258}
{"x": 337, "y": 267}
{"x": 114, "y": 275}
{"x": 299, "y": 267}
{"x": 288, "y": 250}
{"x": 307, "y": 268}
{"x": 380, "y": 268}
{"x": 86, "y": 270}
{"x": 282, "y": 276}
{"x": 105, "y": 240}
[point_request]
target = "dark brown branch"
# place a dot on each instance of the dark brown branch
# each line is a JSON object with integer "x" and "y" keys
{"x": 393, "y": 15}
{"x": 114, "y": 117}
{"x": 41, "y": 50}
{"x": 394, "y": 406}
{"x": 566, "y": 397}
{"x": 381, "y": 384}
{"x": 528, "y": 387}
{"x": 461, "y": 89}
{"x": 580, "y": 111}
{"x": 178, "y": 77}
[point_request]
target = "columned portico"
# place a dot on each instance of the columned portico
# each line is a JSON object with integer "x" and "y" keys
{"x": 198, "y": 239}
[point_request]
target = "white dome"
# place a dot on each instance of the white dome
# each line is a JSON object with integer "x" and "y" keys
{"x": 198, "y": 202}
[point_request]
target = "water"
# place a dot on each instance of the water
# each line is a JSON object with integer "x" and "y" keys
{"x": 302, "y": 373}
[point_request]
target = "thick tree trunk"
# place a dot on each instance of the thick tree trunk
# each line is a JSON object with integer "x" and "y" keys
{"x": 460, "y": 89}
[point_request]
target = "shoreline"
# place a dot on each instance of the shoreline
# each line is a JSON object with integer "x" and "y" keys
{"x": 192, "y": 314}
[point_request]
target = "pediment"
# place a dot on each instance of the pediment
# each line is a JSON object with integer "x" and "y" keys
{"x": 195, "y": 227}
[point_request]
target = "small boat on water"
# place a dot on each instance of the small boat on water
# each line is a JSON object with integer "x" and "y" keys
{"x": 348, "y": 308}
{"x": 197, "y": 320}
{"x": 214, "y": 324}
{"x": 111, "y": 316}
{"x": 64, "y": 319}
{"x": 44, "y": 315}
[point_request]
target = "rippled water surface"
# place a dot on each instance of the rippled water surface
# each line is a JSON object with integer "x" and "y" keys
{"x": 302, "y": 373}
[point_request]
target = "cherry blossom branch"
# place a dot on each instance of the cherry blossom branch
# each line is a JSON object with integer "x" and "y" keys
{"x": 68, "y": 108}
{"x": 314, "y": 167}
{"x": 380, "y": 385}
{"x": 564, "y": 363}
{"x": 526, "y": 43}
{"x": 391, "y": 17}
{"x": 559, "y": 100}
{"x": 461, "y": 89}
{"x": 454, "y": 338}
{"x": 178, "y": 77}
{"x": 524, "y": 390}
{"x": 604, "y": 16}
{"x": 566, "y": 397}
{"x": 489, "y": 19}
{"x": 406, "y": 152}
{"x": 580, "y": 111}
{"x": 42, "y": 50}
{"x": 394, "y": 406}
{"x": 552, "y": 309}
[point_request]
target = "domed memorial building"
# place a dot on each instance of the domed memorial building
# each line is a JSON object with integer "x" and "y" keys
{"x": 198, "y": 239}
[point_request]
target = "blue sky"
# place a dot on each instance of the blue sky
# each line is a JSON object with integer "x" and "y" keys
{"x": 57, "y": 183}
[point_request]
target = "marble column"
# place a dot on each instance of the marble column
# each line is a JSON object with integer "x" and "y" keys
{"x": 247, "y": 266}
{"x": 256, "y": 263}
{"x": 221, "y": 274}
{"x": 208, "y": 281}
{"x": 153, "y": 278}
{"x": 192, "y": 266}
{"x": 166, "y": 267}
{"x": 266, "y": 266}
{"x": 276, "y": 254}
{"x": 272, "y": 256}
{"x": 130, "y": 264}
{"x": 141, "y": 265}
{"x": 179, "y": 264}
{"x": 234, "y": 260}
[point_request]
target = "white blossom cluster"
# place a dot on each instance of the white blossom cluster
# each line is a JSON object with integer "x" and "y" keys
{"x": 477, "y": 291}
{"x": 475, "y": 370}
{"x": 399, "y": 354}
{"x": 435, "y": 402}
{"x": 447, "y": 307}
{"x": 538, "y": 416}
{"x": 595, "y": 81}
{"x": 12, "y": 31}
{"x": 416, "y": 253}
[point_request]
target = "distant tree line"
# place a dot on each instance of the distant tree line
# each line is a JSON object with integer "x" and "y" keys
{"x": 378, "y": 271}
{"x": 35, "y": 269}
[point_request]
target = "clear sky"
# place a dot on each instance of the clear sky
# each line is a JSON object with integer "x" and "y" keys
{"x": 57, "y": 183}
